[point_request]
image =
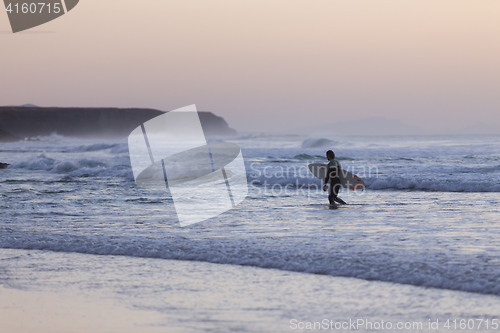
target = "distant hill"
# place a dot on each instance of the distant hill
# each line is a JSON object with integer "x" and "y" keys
{"x": 23, "y": 106}
{"x": 368, "y": 126}
{"x": 25, "y": 122}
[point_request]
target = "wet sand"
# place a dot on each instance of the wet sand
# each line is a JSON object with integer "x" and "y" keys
{"x": 70, "y": 292}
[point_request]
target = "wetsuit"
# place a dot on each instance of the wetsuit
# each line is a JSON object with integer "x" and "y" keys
{"x": 333, "y": 175}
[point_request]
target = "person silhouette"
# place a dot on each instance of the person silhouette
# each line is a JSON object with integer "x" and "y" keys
{"x": 333, "y": 176}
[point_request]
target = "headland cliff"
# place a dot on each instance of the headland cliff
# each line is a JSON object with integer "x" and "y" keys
{"x": 17, "y": 123}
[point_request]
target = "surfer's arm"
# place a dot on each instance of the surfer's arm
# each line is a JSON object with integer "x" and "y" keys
{"x": 327, "y": 178}
{"x": 329, "y": 171}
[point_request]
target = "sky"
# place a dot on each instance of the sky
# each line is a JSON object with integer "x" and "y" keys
{"x": 266, "y": 65}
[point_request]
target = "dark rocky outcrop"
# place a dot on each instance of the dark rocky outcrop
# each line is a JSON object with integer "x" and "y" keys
{"x": 23, "y": 122}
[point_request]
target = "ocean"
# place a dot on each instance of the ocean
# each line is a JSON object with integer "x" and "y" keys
{"x": 419, "y": 243}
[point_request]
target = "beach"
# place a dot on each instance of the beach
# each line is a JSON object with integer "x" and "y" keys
{"x": 60, "y": 292}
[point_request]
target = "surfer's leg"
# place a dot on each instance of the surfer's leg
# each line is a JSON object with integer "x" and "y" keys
{"x": 331, "y": 195}
{"x": 340, "y": 201}
{"x": 335, "y": 192}
{"x": 334, "y": 184}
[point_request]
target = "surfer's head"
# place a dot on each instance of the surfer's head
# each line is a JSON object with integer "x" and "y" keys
{"x": 330, "y": 155}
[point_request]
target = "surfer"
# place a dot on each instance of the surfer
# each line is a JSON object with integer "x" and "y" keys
{"x": 333, "y": 175}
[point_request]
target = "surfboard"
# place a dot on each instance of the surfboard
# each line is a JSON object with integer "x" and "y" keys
{"x": 347, "y": 179}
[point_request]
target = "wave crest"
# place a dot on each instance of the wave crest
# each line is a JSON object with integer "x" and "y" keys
{"x": 317, "y": 143}
{"x": 395, "y": 183}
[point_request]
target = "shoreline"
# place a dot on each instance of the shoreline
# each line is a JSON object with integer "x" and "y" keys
{"x": 70, "y": 291}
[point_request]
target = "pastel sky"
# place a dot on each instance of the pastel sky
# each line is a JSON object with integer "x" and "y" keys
{"x": 266, "y": 65}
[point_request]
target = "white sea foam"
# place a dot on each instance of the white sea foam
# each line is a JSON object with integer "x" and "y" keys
{"x": 369, "y": 266}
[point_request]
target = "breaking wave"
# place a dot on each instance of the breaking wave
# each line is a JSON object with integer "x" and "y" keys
{"x": 93, "y": 147}
{"x": 450, "y": 185}
{"x": 414, "y": 270}
{"x": 317, "y": 143}
{"x": 85, "y": 167}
